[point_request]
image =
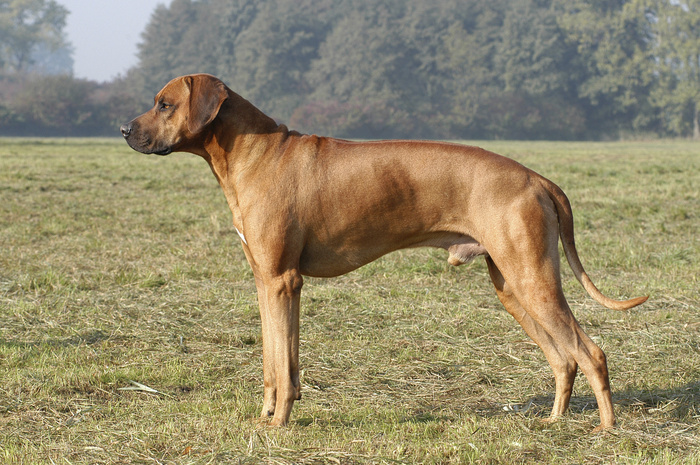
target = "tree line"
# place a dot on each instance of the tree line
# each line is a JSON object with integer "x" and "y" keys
{"x": 476, "y": 69}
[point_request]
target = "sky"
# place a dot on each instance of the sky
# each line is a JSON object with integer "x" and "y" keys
{"x": 105, "y": 34}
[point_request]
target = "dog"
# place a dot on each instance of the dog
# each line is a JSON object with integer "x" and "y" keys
{"x": 305, "y": 205}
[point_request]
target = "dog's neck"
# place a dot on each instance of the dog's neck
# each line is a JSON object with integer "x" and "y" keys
{"x": 239, "y": 135}
{"x": 234, "y": 147}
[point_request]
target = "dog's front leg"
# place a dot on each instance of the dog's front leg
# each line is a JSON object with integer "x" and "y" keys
{"x": 270, "y": 381}
{"x": 279, "y": 296}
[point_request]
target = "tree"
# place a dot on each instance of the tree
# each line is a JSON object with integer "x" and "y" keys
{"x": 409, "y": 69}
{"x": 165, "y": 51}
{"x": 59, "y": 103}
{"x": 466, "y": 58}
{"x": 28, "y": 27}
{"x": 444, "y": 68}
{"x": 613, "y": 63}
{"x": 45, "y": 60}
{"x": 358, "y": 64}
{"x": 233, "y": 18}
{"x": 273, "y": 54}
{"x": 676, "y": 29}
{"x": 534, "y": 63}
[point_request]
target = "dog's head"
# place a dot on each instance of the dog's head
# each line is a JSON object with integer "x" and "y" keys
{"x": 183, "y": 109}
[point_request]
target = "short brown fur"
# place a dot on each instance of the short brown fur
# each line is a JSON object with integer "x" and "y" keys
{"x": 316, "y": 206}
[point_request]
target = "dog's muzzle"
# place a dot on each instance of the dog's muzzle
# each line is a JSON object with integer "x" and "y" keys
{"x": 140, "y": 143}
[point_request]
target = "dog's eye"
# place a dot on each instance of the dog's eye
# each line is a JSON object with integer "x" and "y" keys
{"x": 165, "y": 106}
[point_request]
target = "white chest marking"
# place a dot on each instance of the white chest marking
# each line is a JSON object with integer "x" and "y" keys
{"x": 240, "y": 234}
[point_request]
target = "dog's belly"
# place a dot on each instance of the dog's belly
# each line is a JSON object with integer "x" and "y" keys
{"x": 329, "y": 260}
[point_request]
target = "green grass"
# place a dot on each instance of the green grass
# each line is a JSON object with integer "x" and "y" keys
{"x": 118, "y": 267}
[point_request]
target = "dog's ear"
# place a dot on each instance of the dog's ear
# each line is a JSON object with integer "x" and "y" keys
{"x": 207, "y": 94}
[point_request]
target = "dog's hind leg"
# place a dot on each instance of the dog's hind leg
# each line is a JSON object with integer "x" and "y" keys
{"x": 538, "y": 290}
{"x": 525, "y": 251}
{"x": 562, "y": 363}
{"x": 546, "y": 305}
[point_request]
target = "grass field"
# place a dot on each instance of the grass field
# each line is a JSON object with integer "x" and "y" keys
{"x": 118, "y": 268}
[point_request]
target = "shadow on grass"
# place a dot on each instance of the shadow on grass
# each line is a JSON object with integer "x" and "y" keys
{"x": 682, "y": 403}
{"x": 87, "y": 338}
{"x": 352, "y": 421}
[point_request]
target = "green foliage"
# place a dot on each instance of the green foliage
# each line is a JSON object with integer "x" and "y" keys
{"x": 28, "y": 29}
{"x": 65, "y": 106}
{"x": 55, "y": 101}
{"x": 676, "y": 35}
{"x": 502, "y": 69}
{"x": 614, "y": 63}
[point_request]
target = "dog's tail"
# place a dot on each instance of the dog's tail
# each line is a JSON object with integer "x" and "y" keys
{"x": 566, "y": 233}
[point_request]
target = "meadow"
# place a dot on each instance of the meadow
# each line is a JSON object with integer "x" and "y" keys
{"x": 129, "y": 329}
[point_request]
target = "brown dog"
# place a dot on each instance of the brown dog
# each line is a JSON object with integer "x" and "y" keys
{"x": 316, "y": 206}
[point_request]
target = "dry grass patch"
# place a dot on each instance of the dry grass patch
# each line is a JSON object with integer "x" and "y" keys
{"x": 117, "y": 269}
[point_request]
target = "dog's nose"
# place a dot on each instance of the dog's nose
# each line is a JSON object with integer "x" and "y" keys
{"x": 126, "y": 129}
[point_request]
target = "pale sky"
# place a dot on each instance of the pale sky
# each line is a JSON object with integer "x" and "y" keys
{"x": 105, "y": 34}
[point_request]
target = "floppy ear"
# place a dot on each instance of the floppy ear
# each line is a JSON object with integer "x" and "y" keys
{"x": 207, "y": 94}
